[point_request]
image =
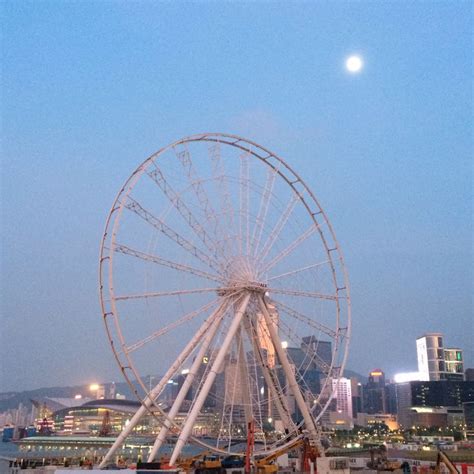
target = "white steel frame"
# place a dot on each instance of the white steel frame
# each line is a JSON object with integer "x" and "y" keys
{"x": 239, "y": 295}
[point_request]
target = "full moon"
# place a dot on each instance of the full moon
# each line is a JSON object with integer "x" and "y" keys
{"x": 354, "y": 64}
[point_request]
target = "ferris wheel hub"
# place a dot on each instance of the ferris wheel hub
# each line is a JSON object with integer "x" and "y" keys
{"x": 237, "y": 289}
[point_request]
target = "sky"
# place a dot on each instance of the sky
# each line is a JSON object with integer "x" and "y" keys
{"x": 90, "y": 89}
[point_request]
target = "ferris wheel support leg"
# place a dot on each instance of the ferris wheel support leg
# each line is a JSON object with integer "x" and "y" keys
{"x": 191, "y": 418}
{"x": 156, "y": 391}
{"x": 217, "y": 316}
{"x": 244, "y": 378}
{"x": 280, "y": 402}
{"x": 293, "y": 384}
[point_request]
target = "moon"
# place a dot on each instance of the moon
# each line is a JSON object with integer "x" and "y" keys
{"x": 354, "y": 64}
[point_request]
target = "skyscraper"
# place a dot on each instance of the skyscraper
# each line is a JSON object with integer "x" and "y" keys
{"x": 432, "y": 403}
{"x": 453, "y": 359}
{"x": 430, "y": 354}
{"x": 343, "y": 396}
{"x": 435, "y": 362}
{"x": 321, "y": 349}
{"x": 264, "y": 339}
{"x": 374, "y": 393}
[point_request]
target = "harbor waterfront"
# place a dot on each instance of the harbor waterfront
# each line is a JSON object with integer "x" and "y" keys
{"x": 76, "y": 448}
{"x": 58, "y": 453}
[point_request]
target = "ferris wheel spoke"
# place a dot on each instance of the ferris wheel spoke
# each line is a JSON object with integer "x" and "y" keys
{"x": 135, "y": 207}
{"x": 305, "y": 319}
{"x": 244, "y": 203}
{"x": 120, "y": 248}
{"x": 219, "y": 176}
{"x": 307, "y": 294}
{"x": 263, "y": 209}
{"x": 184, "y": 158}
{"x": 157, "y": 176}
{"x": 284, "y": 253}
{"x": 298, "y": 270}
{"x": 184, "y": 319}
{"x": 275, "y": 233}
{"x": 160, "y": 294}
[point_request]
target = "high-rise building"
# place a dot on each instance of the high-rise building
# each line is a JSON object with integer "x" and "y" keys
{"x": 468, "y": 408}
{"x": 435, "y": 403}
{"x": 454, "y": 364}
{"x": 263, "y": 333}
{"x": 374, "y": 393}
{"x": 391, "y": 397}
{"x": 469, "y": 375}
{"x": 430, "y": 353}
{"x": 357, "y": 393}
{"x": 435, "y": 362}
{"x": 322, "y": 350}
{"x": 343, "y": 396}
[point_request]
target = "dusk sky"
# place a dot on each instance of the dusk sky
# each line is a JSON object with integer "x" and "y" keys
{"x": 90, "y": 89}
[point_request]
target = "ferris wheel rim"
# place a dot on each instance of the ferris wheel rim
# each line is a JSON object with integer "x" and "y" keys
{"x": 247, "y": 145}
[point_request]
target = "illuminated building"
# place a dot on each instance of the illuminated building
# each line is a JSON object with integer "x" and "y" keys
{"x": 87, "y": 418}
{"x": 402, "y": 377}
{"x": 98, "y": 390}
{"x": 343, "y": 396}
{"x": 454, "y": 364}
{"x": 430, "y": 354}
{"x": 367, "y": 420}
{"x": 435, "y": 362}
{"x": 340, "y": 414}
{"x": 468, "y": 408}
{"x": 433, "y": 403}
{"x": 357, "y": 392}
{"x": 374, "y": 397}
{"x": 81, "y": 447}
{"x": 263, "y": 334}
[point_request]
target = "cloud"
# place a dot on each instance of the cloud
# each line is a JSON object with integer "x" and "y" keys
{"x": 258, "y": 124}
{"x": 268, "y": 129}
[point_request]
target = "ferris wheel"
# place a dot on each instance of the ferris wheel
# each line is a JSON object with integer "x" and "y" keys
{"x": 220, "y": 271}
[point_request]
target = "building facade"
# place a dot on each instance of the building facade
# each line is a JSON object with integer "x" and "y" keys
{"x": 375, "y": 400}
{"x": 435, "y": 362}
{"x": 433, "y": 403}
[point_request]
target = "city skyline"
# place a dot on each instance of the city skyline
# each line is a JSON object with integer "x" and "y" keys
{"x": 413, "y": 374}
{"x": 89, "y": 91}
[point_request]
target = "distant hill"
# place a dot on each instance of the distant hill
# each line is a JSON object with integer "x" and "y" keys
{"x": 10, "y": 400}
{"x": 350, "y": 373}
